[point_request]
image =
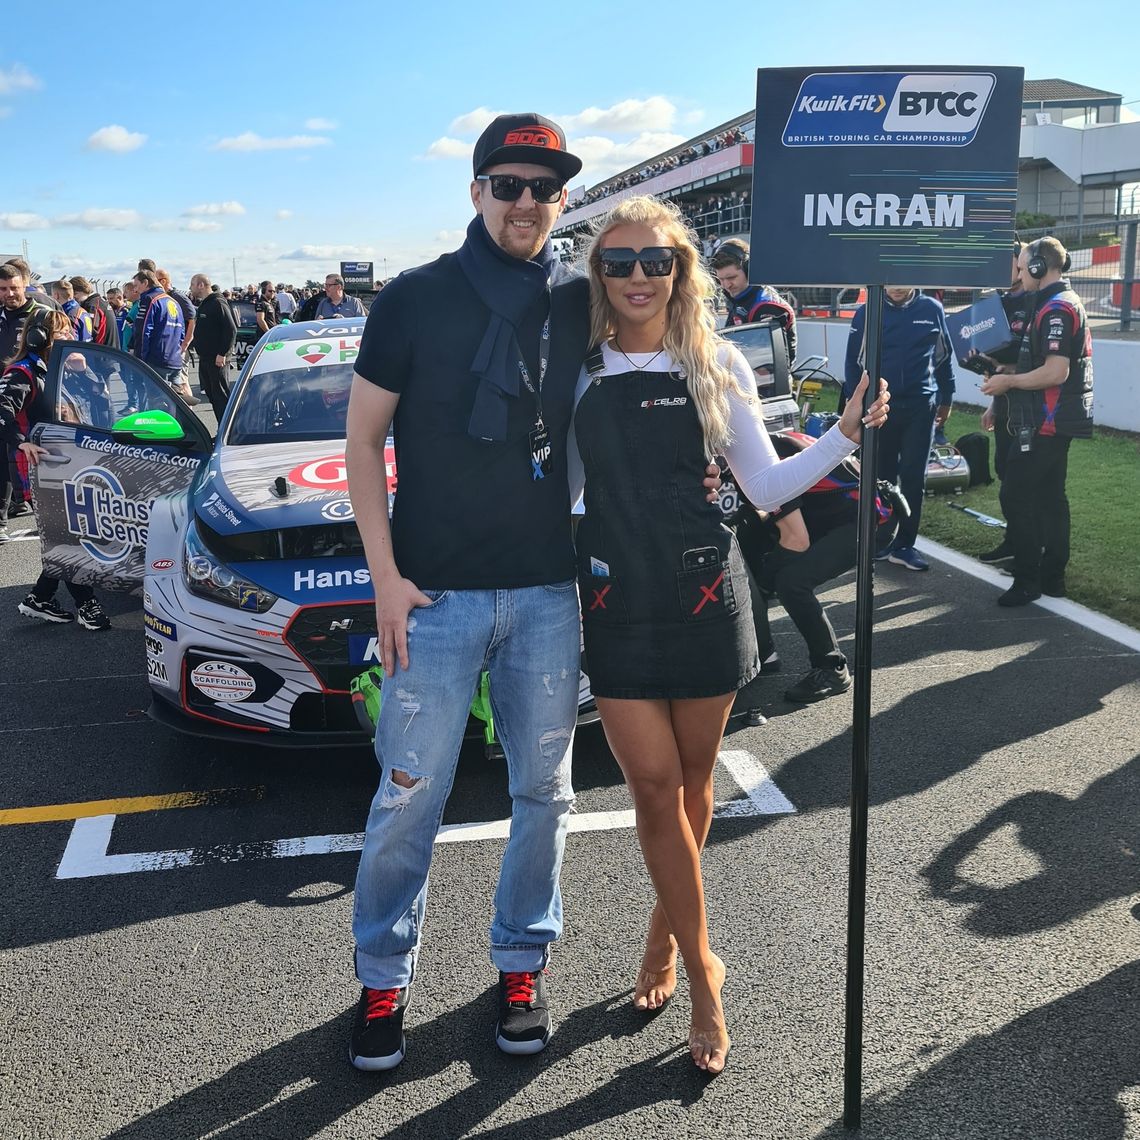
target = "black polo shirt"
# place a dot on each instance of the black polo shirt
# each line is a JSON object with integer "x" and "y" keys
{"x": 468, "y": 515}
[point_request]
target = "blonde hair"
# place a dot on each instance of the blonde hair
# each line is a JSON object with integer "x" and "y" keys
{"x": 691, "y": 338}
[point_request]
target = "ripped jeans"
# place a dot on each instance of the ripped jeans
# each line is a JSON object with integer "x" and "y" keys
{"x": 528, "y": 639}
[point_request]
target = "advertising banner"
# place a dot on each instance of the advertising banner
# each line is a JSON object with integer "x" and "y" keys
{"x": 885, "y": 176}
{"x": 357, "y": 275}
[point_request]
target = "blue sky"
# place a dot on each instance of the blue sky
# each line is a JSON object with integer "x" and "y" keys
{"x": 286, "y": 137}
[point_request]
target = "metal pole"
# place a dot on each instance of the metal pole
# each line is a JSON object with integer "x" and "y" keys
{"x": 861, "y": 736}
{"x": 1129, "y": 275}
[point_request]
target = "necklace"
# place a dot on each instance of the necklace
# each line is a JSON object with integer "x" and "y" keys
{"x": 638, "y": 368}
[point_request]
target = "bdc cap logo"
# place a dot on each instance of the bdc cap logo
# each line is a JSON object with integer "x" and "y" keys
{"x": 532, "y": 136}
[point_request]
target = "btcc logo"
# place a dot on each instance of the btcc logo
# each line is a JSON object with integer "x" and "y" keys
{"x": 947, "y": 103}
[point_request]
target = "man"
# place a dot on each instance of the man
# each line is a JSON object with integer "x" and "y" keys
{"x": 118, "y": 300}
{"x": 918, "y": 367}
{"x": 159, "y": 330}
{"x": 102, "y": 316}
{"x": 266, "y": 307}
{"x": 189, "y": 317}
{"x": 286, "y": 304}
{"x": 1050, "y": 395}
{"x": 471, "y": 446}
{"x": 747, "y": 303}
{"x": 64, "y": 296}
{"x": 214, "y": 337}
{"x": 336, "y": 303}
{"x": 15, "y": 308}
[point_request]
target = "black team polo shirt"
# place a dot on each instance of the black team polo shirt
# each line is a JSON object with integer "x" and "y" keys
{"x": 467, "y": 513}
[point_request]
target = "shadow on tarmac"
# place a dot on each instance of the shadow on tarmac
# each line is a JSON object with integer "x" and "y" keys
{"x": 1056, "y": 1073}
{"x": 1087, "y": 848}
{"x": 306, "y": 1084}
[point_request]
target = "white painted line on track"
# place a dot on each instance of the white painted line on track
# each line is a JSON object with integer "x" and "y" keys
{"x": 1062, "y": 607}
{"x": 86, "y": 853}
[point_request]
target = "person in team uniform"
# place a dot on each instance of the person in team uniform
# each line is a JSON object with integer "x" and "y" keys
{"x": 747, "y": 303}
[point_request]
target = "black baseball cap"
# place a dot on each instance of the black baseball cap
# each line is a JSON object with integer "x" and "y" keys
{"x": 525, "y": 138}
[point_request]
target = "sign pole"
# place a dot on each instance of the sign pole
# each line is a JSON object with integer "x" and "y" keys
{"x": 861, "y": 735}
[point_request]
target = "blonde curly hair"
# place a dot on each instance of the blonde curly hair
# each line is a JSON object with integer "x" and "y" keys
{"x": 691, "y": 339}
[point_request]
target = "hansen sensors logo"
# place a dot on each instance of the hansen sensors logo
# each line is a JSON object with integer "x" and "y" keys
{"x": 888, "y": 109}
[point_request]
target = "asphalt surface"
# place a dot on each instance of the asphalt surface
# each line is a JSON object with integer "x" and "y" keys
{"x": 214, "y": 998}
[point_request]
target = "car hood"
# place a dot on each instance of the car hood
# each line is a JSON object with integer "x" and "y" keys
{"x": 274, "y": 485}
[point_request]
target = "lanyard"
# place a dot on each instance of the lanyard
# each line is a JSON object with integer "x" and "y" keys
{"x": 543, "y": 362}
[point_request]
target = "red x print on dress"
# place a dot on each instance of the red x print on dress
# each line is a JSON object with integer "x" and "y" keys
{"x": 599, "y": 598}
{"x": 709, "y": 595}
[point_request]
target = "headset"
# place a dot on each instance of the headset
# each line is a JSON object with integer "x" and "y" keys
{"x": 36, "y": 334}
{"x": 736, "y": 252}
{"x": 1037, "y": 265}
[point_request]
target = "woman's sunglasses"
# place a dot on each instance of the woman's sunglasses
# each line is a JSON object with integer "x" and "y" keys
{"x": 656, "y": 260}
{"x": 509, "y": 187}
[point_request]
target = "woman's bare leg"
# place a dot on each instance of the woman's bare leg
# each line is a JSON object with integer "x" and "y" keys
{"x": 649, "y": 740}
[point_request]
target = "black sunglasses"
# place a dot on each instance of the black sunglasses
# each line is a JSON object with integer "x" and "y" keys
{"x": 656, "y": 260}
{"x": 509, "y": 187}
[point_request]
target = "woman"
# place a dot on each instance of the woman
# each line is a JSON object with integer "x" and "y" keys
{"x": 21, "y": 407}
{"x": 665, "y": 603}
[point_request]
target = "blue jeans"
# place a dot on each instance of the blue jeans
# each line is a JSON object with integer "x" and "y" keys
{"x": 528, "y": 639}
{"x": 903, "y": 453}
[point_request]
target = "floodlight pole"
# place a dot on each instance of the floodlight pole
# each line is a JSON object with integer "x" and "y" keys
{"x": 861, "y": 735}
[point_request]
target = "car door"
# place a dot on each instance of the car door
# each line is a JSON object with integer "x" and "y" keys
{"x": 95, "y": 488}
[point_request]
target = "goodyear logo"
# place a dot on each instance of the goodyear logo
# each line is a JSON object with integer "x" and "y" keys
{"x": 888, "y": 109}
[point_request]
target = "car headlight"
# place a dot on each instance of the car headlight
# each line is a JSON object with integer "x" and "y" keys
{"x": 209, "y": 578}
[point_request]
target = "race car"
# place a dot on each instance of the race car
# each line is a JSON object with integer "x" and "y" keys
{"x": 257, "y": 600}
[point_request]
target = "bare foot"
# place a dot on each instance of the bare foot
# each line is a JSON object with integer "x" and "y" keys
{"x": 708, "y": 1038}
{"x": 657, "y": 978}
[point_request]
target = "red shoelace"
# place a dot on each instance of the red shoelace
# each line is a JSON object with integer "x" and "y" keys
{"x": 380, "y": 1003}
{"x": 520, "y": 987}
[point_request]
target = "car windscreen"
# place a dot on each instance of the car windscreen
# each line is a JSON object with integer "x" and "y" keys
{"x": 755, "y": 341}
{"x": 292, "y": 404}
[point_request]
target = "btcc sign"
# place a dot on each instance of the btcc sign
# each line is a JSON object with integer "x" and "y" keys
{"x": 888, "y": 109}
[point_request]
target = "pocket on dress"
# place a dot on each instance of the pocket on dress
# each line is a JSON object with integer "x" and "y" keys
{"x": 602, "y": 599}
{"x": 706, "y": 594}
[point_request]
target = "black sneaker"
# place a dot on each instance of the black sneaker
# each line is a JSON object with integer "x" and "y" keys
{"x": 818, "y": 685}
{"x": 1018, "y": 596}
{"x": 91, "y": 616}
{"x": 771, "y": 663}
{"x": 1053, "y": 588}
{"x": 19, "y": 510}
{"x": 524, "y": 1018}
{"x": 378, "y": 1033}
{"x": 31, "y": 606}
{"x": 1001, "y": 553}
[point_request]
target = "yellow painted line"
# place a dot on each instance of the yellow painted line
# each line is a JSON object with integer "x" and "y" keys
{"x": 128, "y": 805}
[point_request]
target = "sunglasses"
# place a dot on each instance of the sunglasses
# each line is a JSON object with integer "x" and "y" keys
{"x": 656, "y": 261}
{"x": 509, "y": 187}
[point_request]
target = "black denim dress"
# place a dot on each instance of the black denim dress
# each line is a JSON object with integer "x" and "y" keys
{"x": 665, "y": 602}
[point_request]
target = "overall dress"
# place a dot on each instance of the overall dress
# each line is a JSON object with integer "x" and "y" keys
{"x": 666, "y": 612}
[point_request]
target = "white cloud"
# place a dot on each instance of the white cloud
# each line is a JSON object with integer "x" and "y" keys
{"x": 320, "y": 125}
{"x": 212, "y": 208}
{"x": 327, "y": 253}
{"x": 100, "y": 219}
{"x": 17, "y": 78}
{"x": 251, "y": 141}
{"x": 450, "y": 237}
{"x": 23, "y": 222}
{"x": 281, "y": 215}
{"x": 625, "y": 118}
{"x": 602, "y": 157}
{"x": 116, "y": 139}
{"x": 449, "y": 148}
{"x": 692, "y": 118}
{"x": 198, "y": 226}
{"x": 473, "y": 122}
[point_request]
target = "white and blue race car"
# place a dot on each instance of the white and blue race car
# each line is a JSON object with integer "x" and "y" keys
{"x": 257, "y": 600}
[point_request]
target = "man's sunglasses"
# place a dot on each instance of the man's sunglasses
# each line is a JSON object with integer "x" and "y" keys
{"x": 509, "y": 187}
{"x": 656, "y": 261}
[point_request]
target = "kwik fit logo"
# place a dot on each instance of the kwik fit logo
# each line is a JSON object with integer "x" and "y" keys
{"x": 888, "y": 109}
{"x": 108, "y": 523}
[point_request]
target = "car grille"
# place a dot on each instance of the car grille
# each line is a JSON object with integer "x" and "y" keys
{"x": 330, "y": 640}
